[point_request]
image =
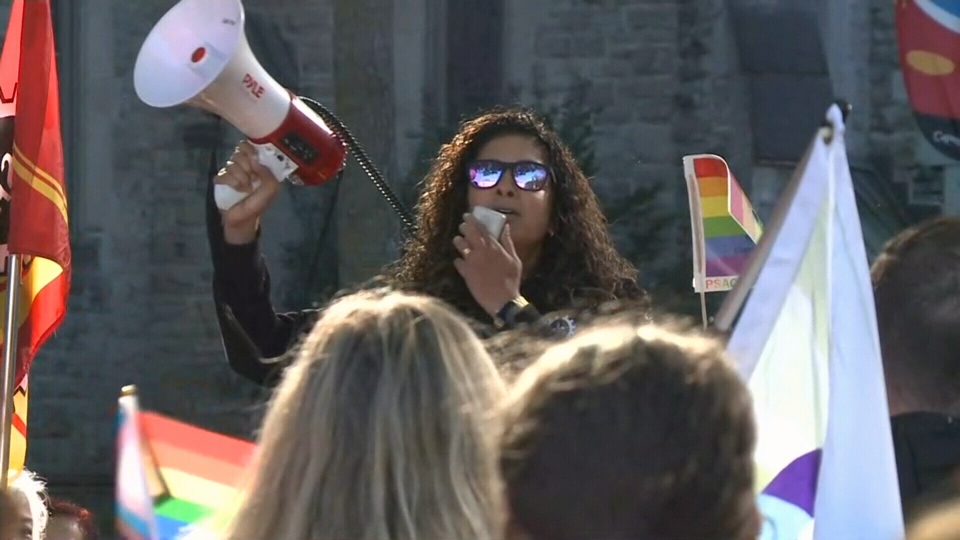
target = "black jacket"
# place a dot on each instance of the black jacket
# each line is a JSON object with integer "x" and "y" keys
{"x": 927, "y": 450}
{"x": 256, "y": 338}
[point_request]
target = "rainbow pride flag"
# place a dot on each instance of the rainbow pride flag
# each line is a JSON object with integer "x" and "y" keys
{"x": 725, "y": 227}
{"x": 184, "y": 473}
{"x": 134, "y": 506}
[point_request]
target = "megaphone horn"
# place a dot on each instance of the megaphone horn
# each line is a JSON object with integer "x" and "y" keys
{"x": 197, "y": 54}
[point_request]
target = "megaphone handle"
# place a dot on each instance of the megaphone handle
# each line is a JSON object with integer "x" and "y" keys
{"x": 275, "y": 161}
{"x": 226, "y": 197}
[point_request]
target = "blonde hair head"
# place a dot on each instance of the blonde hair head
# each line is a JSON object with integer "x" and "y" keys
{"x": 382, "y": 428}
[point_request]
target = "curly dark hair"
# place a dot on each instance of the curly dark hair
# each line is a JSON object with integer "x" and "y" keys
{"x": 85, "y": 519}
{"x": 579, "y": 266}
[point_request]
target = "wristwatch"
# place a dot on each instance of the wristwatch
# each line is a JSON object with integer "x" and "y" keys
{"x": 505, "y": 316}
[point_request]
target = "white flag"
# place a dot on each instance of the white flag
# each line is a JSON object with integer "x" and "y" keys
{"x": 807, "y": 344}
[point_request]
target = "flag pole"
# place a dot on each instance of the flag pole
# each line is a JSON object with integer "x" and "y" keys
{"x": 738, "y": 295}
{"x": 703, "y": 309}
{"x": 9, "y": 373}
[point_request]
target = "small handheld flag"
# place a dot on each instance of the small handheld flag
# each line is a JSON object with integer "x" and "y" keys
{"x": 172, "y": 476}
{"x": 725, "y": 227}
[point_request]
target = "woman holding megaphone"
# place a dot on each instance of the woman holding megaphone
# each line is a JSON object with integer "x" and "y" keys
{"x": 552, "y": 254}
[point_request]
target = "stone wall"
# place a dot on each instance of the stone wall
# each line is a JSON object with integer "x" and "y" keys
{"x": 629, "y": 53}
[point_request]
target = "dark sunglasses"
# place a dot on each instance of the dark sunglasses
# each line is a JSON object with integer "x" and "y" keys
{"x": 529, "y": 176}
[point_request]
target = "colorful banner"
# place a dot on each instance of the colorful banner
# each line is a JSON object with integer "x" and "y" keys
{"x": 33, "y": 204}
{"x": 928, "y": 35}
{"x": 33, "y": 208}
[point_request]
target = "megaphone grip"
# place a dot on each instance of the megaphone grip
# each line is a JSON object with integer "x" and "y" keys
{"x": 267, "y": 154}
{"x": 227, "y": 197}
{"x": 275, "y": 161}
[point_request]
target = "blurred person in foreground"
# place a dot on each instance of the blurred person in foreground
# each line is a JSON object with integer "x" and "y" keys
{"x": 384, "y": 427}
{"x": 28, "y": 493}
{"x": 916, "y": 284}
{"x": 939, "y": 522}
{"x": 630, "y": 431}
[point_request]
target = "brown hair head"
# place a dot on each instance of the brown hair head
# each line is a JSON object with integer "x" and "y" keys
{"x": 631, "y": 431}
{"x": 916, "y": 287}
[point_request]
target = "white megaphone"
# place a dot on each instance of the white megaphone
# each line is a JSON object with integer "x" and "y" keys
{"x": 198, "y": 54}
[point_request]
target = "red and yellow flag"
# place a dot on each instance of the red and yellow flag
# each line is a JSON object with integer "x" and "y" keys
{"x": 18, "y": 429}
{"x": 33, "y": 204}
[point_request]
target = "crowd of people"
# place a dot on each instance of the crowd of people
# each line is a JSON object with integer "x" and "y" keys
{"x": 523, "y": 386}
